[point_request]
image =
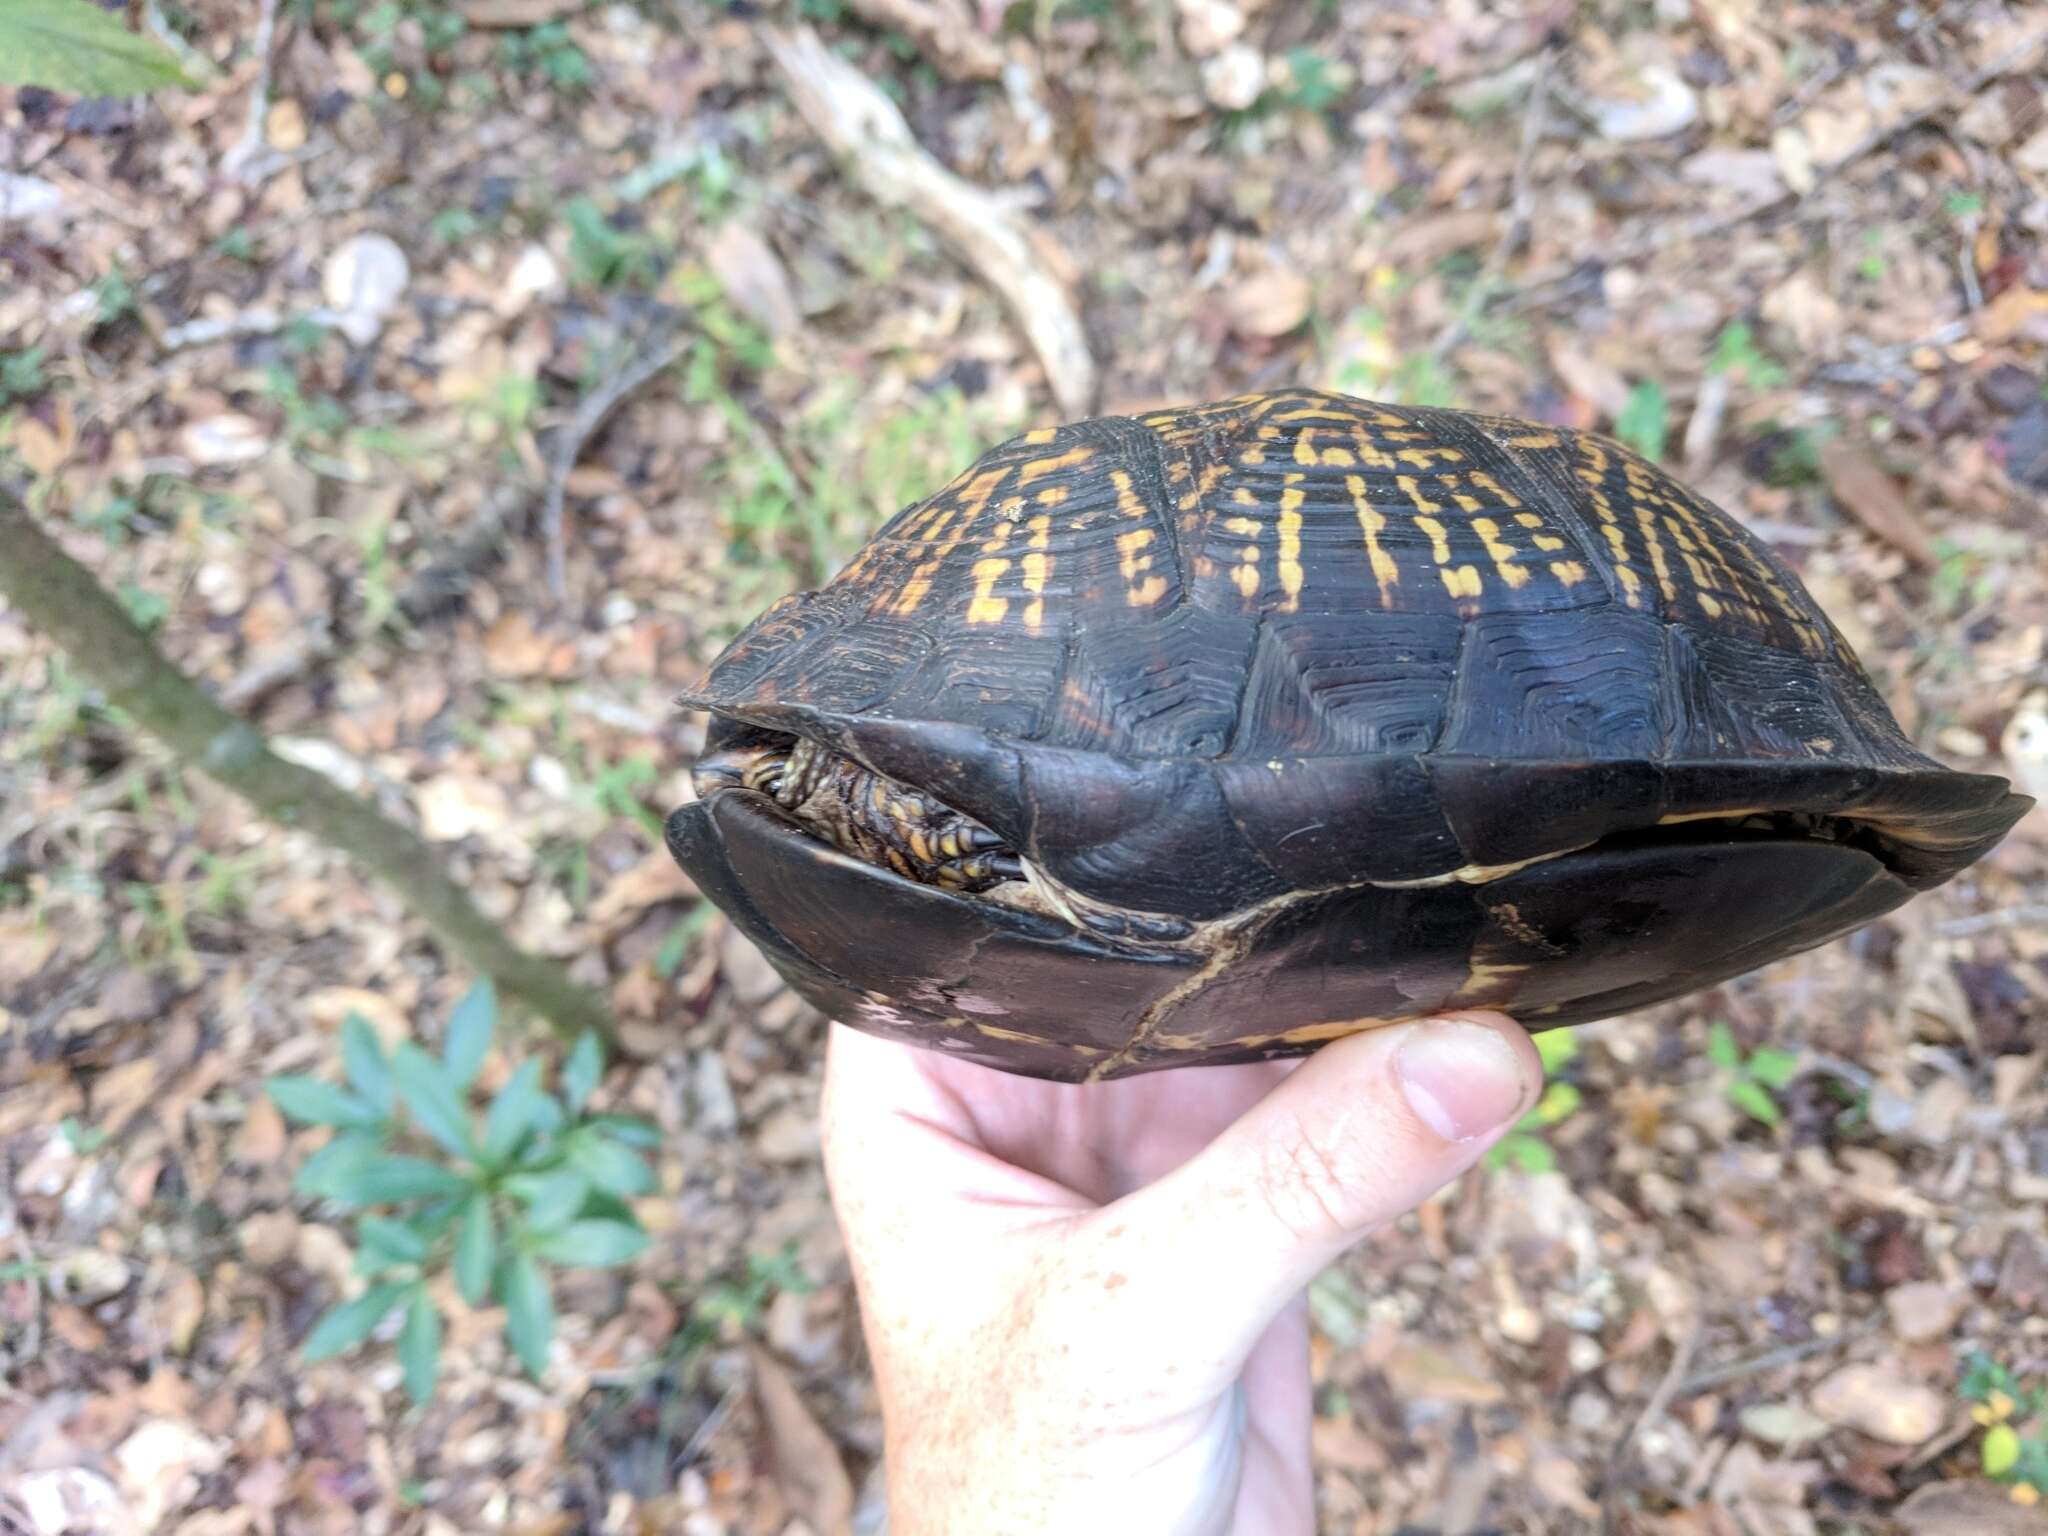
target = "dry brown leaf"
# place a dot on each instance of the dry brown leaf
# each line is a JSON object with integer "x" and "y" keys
{"x": 121, "y": 1092}
{"x": 180, "y": 1303}
{"x": 1272, "y": 303}
{"x": 1865, "y": 489}
{"x": 1968, "y": 1508}
{"x": 1422, "y": 241}
{"x": 801, "y": 1457}
{"x": 655, "y": 879}
{"x": 1418, "y": 1370}
{"x": 2008, "y": 314}
{"x": 1881, "y": 1404}
{"x": 754, "y": 278}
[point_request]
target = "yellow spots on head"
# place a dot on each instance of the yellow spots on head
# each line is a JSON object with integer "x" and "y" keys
{"x": 1439, "y": 544}
{"x": 1073, "y": 458}
{"x": 1568, "y": 572}
{"x": 1289, "y": 563}
{"x": 1463, "y": 580}
{"x": 1412, "y": 489}
{"x": 1500, "y": 552}
{"x": 986, "y": 608}
{"x": 1141, "y": 590}
{"x": 1371, "y": 523}
{"x": 1037, "y": 566}
{"x": 1038, "y": 437}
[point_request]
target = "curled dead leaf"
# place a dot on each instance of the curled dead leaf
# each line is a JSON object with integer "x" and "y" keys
{"x": 1271, "y": 303}
{"x": 1861, "y": 485}
{"x": 1881, "y": 1404}
{"x": 800, "y": 1456}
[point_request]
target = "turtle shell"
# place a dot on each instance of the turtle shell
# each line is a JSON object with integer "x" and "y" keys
{"x": 1308, "y": 713}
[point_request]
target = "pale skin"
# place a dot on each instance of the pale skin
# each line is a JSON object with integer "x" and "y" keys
{"x": 1084, "y": 1304}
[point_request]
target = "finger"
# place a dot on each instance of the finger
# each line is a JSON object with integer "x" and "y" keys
{"x": 1366, "y": 1131}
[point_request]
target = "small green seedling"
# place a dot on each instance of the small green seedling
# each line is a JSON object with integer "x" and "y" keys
{"x": 540, "y": 1182}
{"x": 1736, "y": 352}
{"x": 2014, "y": 1417}
{"x": 1645, "y": 421}
{"x": 1751, "y": 1082}
{"x": 1524, "y": 1147}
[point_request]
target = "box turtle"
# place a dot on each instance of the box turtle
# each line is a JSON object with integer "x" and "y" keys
{"x": 1218, "y": 733}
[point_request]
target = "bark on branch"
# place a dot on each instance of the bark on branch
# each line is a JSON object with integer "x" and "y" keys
{"x": 63, "y": 600}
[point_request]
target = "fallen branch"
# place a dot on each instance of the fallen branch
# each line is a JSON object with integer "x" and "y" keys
{"x": 575, "y": 437}
{"x": 865, "y": 131}
{"x": 956, "y": 48}
{"x": 61, "y": 598}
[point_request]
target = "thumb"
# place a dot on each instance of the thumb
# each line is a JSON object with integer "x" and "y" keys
{"x": 1366, "y": 1130}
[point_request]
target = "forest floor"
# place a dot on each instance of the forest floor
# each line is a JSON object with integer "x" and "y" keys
{"x": 290, "y": 362}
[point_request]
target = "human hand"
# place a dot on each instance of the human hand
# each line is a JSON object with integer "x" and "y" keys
{"x": 1085, "y": 1304}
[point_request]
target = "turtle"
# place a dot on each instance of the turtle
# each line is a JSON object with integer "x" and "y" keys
{"x": 1216, "y": 733}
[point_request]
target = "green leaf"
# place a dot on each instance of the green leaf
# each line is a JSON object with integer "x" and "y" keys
{"x": 364, "y": 1059}
{"x": 1754, "y": 1101}
{"x": 513, "y": 1112}
{"x": 314, "y": 1102}
{"x": 469, "y": 1032}
{"x": 529, "y": 1312}
{"x": 476, "y": 1246}
{"x": 550, "y": 1198}
{"x": 419, "y": 1347}
{"x": 594, "y": 1244}
{"x": 1556, "y": 1048}
{"x": 74, "y": 46}
{"x": 1774, "y": 1069}
{"x": 1560, "y": 1101}
{"x": 2001, "y": 1450}
{"x": 1644, "y": 420}
{"x": 384, "y": 1180}
{"x": 435, "y": 1101}
{"x": 1531, "y": 1155}
{"x": 610, "y": 1166}
{"x": 586, "y": 1064}
{"x": 350, "y": 1323}
{"x": 1722, "y": 1050}
{"x": 393, "y": 1237}
{"x": 631, "y": 1130}
{"x": 323, "y": 1173}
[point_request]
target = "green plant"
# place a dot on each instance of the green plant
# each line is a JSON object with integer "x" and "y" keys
{"x": 541, "y": 1182}
{"x": 1524, "y": 1146}
{"x": 78, "y": 47}
{"x": 741, "y": 1303}
{"x": 605, "y": 256}
{"x": 2014, "y": 1418}
{"x": 114, "y": 296}
{"x": 547, "y": 52}
{"x": 1750, "y": 1082}
{"x": 21, "y": 376}
{"x": 1645, "y": 419}
{"x": 1736, "y": 352}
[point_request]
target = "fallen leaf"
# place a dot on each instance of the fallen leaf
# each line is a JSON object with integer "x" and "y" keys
{"x": 1859, "y": 484}
{"x": 456, "y": 806}
{"x": 1783, "y": 1424}
{"x": 180, "y": 1304}
{"x": 261, "y": 1140}
{"x": 1881, "y": 1404}
{"x": 1968, "y": 1508}
{"x": 284, "y": 126}
{"x": 2008, "y": 314}
{"x": 225, "y": 439}
{"x": 1924, "y": 1309}
{"x": 1420, "y": 242}
{"x": 655, "y": 879}
{"x": 754, "y": 278}
{"x": 159, "y": 1463}
{"x": 1271, "y": 303}
{"x": 1417, "y": 1370}
{"x": 1658, "y": 104}
{"x": 800, "y": 1456}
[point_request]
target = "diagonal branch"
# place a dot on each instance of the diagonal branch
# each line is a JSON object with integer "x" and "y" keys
{"x": 62, "y": 599}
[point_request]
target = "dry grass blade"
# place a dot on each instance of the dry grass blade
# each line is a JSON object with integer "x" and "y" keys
{"x": 865, "y": 130}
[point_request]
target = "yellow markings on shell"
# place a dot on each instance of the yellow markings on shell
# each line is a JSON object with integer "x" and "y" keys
{"x": 987, "y": 608}
{"x": 1243, "y": 525}
{"x": 1128, "y": 501}
{"x": 1422, "y": 458}
{"x": 1305, "y": 447}
{"x": 1463, "y": 580}
{"x": 966, "y": 507}
{"x": 1372, "y": 523}
{"x": 1709, "y": 605}
{"x": 1053, "y": 495}
{"x": 1646, "y": 524}
{"x": 1412, "y": 489}
{"x": 1243, "y": 496}
{"x": 1210, "y": 475}
{"x": 1368, "y": 455}
{"x": 1569, "y": 572}
{"x": 1038, "y": 437}
{"x": 1486, "y": 482}
{"x": 1439, "y": 544}
{"x": 1338, "y": 457}
{"x": 1253, "y": 455}
{"x": 1246, "y": 572}
{"x": 1289, "y": 563}
{"x": 1535, "y": 441}
{"x": 1142, "y": 591}
{"x": 1073, "y": 458}
{"x": 1037, "y": 566}
{"x": 1500, "y": 552}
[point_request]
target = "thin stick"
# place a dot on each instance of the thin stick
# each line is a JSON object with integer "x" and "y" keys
{"x": 575, "y": 437}
{"x": 245, "y": 157}
{"x": 1520, "y": 207}
{"x": 1659, "y": 1400}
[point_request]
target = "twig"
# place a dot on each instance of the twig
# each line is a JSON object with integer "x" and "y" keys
{"x": 245, "y": 157}
{"x": 1547, "y": 286}
{"x": 62, "y": 599}
{"x": 1659, "y": 1400}
{"x": 948, "y": 39}
{"x": 575, "y": 437}
{"x": 1520, "y": 207}
{"x": 865, "y": 131}
{"x": 1984, "y": 922}
{"x": 1756, "y": 1365}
